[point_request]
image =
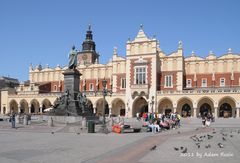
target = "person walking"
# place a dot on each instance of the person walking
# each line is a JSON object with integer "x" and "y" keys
{"x": 13, "y": 120}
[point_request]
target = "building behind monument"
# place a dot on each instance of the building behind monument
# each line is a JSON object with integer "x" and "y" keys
{"x": 146, "y": 80}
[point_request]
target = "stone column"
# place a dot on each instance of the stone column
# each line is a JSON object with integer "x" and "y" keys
{"x": 41, "y": 109}
{"x": 29, "y": 109}
{"x": 216, "y": 112}
{"x": 175, "y": 109}
{"x": 110, "y": 110}
{"x": 238, "y": 110}
{"x": 194, "y": 112}
{"x": 94, "y": 109}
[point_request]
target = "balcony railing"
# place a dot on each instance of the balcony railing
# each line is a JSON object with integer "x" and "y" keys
{"x": 52, "y": 94}
{"x": 100, "y": 93}
{"x": 206, "y": 90}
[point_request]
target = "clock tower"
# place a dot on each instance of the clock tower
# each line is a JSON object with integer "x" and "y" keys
{"x": 88, "y": 55}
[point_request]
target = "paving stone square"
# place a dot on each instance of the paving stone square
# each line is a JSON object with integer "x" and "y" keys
{"x": 37, "y": 144}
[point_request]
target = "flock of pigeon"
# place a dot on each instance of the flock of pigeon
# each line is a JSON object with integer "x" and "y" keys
{"x": 199, "y": 139}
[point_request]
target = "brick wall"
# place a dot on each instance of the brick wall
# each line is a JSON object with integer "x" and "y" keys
{"x": 94, "y": 81}
{"x": 216, "y": 83}
{"x": 162, "y": 80}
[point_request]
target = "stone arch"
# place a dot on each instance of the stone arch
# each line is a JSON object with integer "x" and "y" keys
{"x": 118, "y": 107}
{"x": 13, "y": 106}
{"x": 23, "y": 106}
{"x": 205, "y": 105}
{"x": 46, "y": 104}
{"x": 185, "y": 107}
{"x": 35, "y": 106}
{"x": 142, "y": 93}
{"x": 135, "y": 94}
{"x": 99, "y": 107}
{"x": 165, "y": 106}
{"x": 140, "y": 105}
{"x": 227, "y": 107}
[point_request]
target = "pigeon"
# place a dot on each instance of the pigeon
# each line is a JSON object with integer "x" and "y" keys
{"x": 214, "y": 132}
{"x": 78, "y": 133}
{"x": 52, "y": 132}
{"x": 209, "y": 136}
{"x": 220, "y": 145}
{"x": 153, "y": 148}
{"x": 238, "y": 131}
{"x": 176, "y": 149}
{"x": 185, "y": 150}
{"x": 181, "y": 148}
{"x": 224, "y": 134}
{"x": 178, "y": 132}
{"x": 223, "y": 138}
{"x": 231, "y": 136}
{"x": 194, "y": 138}
{"x": 198, "y": 146}
{"x": 208, "y": 146}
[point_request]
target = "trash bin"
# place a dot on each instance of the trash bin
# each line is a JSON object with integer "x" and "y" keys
{"x": 91, "y": 127}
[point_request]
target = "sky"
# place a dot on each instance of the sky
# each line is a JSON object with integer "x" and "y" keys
{"x": 43, "y": 31}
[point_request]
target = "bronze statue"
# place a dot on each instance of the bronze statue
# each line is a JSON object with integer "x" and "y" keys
{"x": 72, "y": 64}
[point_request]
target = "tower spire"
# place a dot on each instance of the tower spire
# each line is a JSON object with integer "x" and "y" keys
{"x": 89, "y": 27}
{"x": 88, "y": 44}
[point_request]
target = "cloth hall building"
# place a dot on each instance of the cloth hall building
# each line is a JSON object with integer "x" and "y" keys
{"x": 146, "y": 80}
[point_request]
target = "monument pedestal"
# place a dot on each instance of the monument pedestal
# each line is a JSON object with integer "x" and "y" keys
{"x": 71, "y": 89}
{"x": 72, "y": 81}
{"x": 72, "y": 102}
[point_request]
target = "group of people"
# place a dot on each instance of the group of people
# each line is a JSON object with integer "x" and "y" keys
{"x": 13, "y": 118}
{"x": 157, "y": 122}
{"x": 207, "y": 118}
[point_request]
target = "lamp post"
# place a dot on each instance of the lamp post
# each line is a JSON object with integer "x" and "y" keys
{"x": 152, "y": 103}
{"x": 104, "y": 127}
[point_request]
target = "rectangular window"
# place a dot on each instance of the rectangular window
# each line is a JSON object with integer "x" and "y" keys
{"x": 140, "y": 75}
{"x": 189, "y": 83}
{"x": 91, "y": 88}
{"x": 222, "y": 82}
{"x": 204, "y": 82}
{"x": 123, "y": 83}
{"x": 168, "y": 81}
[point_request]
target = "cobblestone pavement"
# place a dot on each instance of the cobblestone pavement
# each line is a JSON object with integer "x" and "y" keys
{"x": 39, "y": 143}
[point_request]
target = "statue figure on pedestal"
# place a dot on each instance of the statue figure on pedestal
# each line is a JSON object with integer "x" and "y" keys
{"x": 72, "y": 63}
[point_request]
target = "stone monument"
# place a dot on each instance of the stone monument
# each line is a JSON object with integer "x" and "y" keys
{"x": 72, "y": 102}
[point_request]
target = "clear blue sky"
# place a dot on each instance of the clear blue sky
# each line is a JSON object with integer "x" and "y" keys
{"x": 43, "y": 31}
